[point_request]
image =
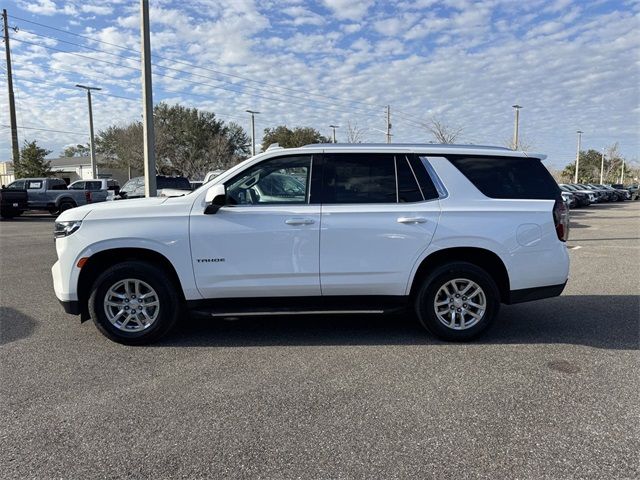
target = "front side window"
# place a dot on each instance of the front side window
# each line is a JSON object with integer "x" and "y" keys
{"x": 282, "y": 180}
{"x": 359, "y": 178}
{"x": 17, "y": 185}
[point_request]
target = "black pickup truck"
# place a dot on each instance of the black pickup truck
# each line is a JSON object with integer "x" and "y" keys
{"x": 13, "y": 202}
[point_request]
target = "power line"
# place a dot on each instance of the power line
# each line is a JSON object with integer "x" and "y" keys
{"x": 218, "y": 72}
{"x": 280, "y": 100}
{"x": 46, "y": 130}
{"x": 207, "y": 77}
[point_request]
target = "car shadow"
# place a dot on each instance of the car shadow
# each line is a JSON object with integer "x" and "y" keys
{"x": 31, "y": 218}
{"x": 600, "y": 321}
{"x": 15, "y": 325}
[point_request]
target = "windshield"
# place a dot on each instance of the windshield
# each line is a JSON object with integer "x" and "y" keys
{"x": 177, "y": 183}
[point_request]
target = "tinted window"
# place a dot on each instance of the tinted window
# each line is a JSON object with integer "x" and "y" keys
{"x": 429, "y": 190}
{"x": 178, "y": 183}
{"x": 34, "y": 184}
{"x": 408, "y": 190}
{"x": 94, "y": 186}
{"x": 18, "y": 185}
{"x": 77, "y": 186}
{"x": 508, "y": 177}
{"x": 359, "y": 178}
{"x": 279, "y": 180}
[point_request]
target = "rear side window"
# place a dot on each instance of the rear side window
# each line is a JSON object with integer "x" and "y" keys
{"x": 508, "y": 177}
{"x": 408, "y": 189}
{"x": 359, "y": 178}
{"x": 94, "y": 185}
{"x": 34, "y": 184}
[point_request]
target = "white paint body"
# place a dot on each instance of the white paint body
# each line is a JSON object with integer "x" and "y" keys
{"x": 312, "y": 250}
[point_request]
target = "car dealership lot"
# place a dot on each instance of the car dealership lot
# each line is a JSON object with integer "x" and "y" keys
{"x": 550, "y": 391}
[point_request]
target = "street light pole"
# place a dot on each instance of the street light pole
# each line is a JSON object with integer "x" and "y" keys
{"x": 388, "y": 133}
{"x": 579, "y": 132}
{"x": 149, "y": 136}
{"x": 253, "y": 131}
{"x": 516, "y": 126}
{"x": 333, "y": 127}
{"x": 94, "y": 166}
{"x": 602, "y": 167}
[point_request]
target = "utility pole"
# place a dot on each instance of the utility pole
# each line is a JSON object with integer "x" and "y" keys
{"x": 15, "y": 148}
{"x": 602, "y": 167}
{"x": 94, "y": 166}
{"x": 334, "y": 131}
{"x": 516, "y": 126}
{"x": 388, "y": 123}
{"x": 579, "y": 132}
{"x": 622, "y": 173}
{"x": 150, "y": 187}
{"x": 253, "y": 131}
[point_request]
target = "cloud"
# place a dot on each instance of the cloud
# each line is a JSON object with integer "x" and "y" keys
{"x": 349, "y": 9}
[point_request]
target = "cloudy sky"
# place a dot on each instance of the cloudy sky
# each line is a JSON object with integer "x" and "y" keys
{"x": 570, "y": 64}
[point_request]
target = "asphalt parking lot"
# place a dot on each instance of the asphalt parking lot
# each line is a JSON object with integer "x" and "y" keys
{"x": 550, "y": 392}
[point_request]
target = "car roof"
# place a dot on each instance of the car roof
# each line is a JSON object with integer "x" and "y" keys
{"x": 427, "y": 148}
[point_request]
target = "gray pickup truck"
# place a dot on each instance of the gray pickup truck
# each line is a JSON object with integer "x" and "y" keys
{"x": 52, "y": 194}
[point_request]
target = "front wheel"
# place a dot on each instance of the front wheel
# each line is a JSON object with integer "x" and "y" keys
{"x": 134, "y": 303}
{"x": 458, "y": 301}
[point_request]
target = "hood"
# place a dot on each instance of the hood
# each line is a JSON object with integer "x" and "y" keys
{"x": 117, "y": 208}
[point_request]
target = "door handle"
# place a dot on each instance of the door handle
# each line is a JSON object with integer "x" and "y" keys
{"x": 299, "y": 221}
{"x": 412, "y": 220}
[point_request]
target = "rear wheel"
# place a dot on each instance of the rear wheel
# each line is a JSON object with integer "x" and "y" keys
{"x": 65, "y": 205}
{"x": 458, "y": 301}
{"x": 134, "y": 303}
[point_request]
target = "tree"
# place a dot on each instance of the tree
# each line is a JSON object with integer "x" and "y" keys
{"x": 442, "y": 132}
{"x": 76, "y": 151}
{"x": 189, "y": 142}
{"x": 355, "y": 134}
{"x": 590, "y": 165}
{"x": 524, "y": 144}
{"x": 287, "y": 138}
{"x": 32, "y": 161}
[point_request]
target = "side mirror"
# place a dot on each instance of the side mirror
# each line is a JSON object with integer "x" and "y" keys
{"x": 216, "y": 198}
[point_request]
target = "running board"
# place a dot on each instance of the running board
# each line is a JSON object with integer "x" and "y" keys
{"x": 276, "y": 306}
{"x": 286, "y": 312}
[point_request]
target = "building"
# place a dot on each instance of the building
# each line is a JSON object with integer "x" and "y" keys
{"x": 6, "y": 173}
{"x": 79, "y": 168}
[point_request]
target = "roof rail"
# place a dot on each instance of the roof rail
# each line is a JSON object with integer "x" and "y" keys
{"x": 403, "y": 145}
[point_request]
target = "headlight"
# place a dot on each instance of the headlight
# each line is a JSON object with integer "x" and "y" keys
{"x": 64, "y": 229}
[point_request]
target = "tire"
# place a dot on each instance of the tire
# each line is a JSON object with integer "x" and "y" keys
{"x": 8, "y": 214}
{"x": 433, "y": 288}
{"x": 65, "y": 205}
{"x": 150, "y": 322}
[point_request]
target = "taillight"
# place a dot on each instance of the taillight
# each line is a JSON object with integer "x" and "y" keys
{"x": 561, "y": 220}
{"x": 87, "y": 195}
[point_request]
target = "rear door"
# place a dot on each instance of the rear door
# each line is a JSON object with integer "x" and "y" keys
{"x": 377, "y": 218}
{"x": 36, "y": 192}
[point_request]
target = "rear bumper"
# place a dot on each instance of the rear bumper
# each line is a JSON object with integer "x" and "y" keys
{"x": 72, "y": 307}
{"x": 537, "y": 293}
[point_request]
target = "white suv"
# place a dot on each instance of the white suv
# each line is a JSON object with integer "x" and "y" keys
{"x": 449, "y": 232}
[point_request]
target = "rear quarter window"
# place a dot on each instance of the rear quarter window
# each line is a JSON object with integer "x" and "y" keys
{"x": 508, "y": 177}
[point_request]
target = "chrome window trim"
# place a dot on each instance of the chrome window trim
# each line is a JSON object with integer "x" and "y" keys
{"x": 440, "y": 188}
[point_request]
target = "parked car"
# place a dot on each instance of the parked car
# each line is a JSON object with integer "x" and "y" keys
{"x": 632, "y": 189}
{"x": 620, "y": 193}
{"x": 13, "y": 200}
{"x": 166, "y": 187}
{"x": 111, "y": 186}
{"x": 449, "y": 232}
{"x": 53, "y": 196}
{"x": 569, "y": 199}
{"x": 583, "y": 198}
{"x": 602, "y": 194}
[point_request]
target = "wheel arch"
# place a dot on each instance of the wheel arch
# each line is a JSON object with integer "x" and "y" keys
{"x": 481, "y": 257}
{"x": 65, "y": 198}
{"x": 100, "y": 261}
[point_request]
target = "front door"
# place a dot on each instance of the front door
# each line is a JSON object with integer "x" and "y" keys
{"x": 265, "y": 243}
{"x": 379, "y": 213}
